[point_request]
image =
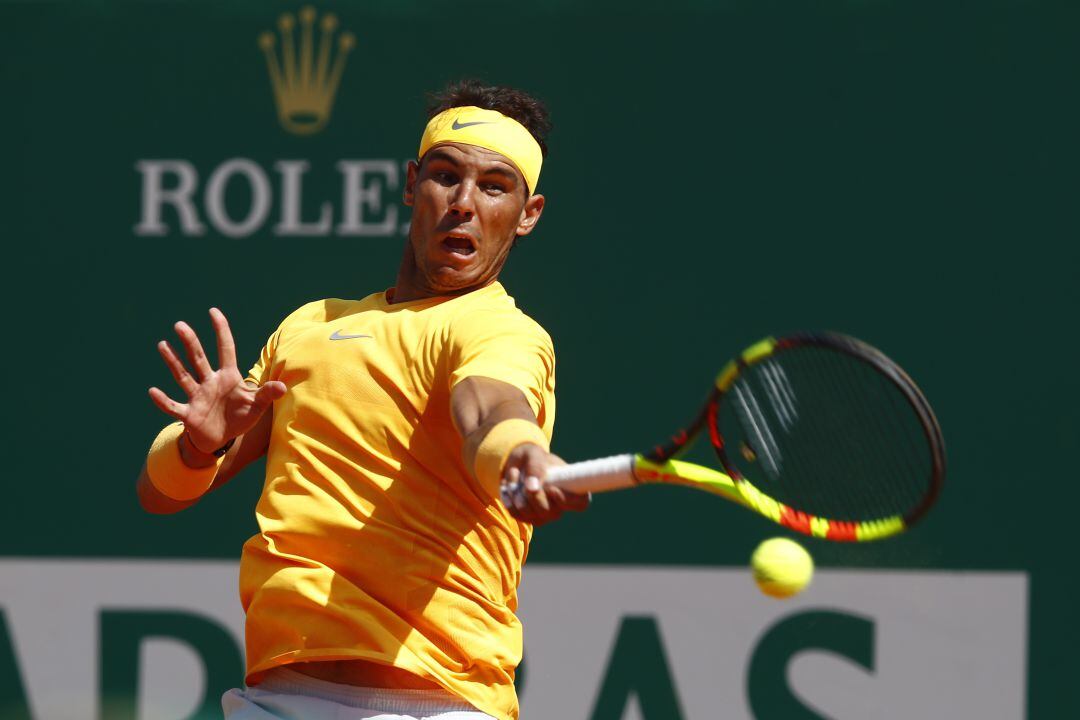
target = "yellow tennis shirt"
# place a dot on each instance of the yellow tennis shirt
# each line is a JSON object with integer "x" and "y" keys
{"x": 376, "y": 542}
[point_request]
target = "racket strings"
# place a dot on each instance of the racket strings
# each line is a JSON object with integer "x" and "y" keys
{"x": 892, "y": 432}
{"x": 891, "y": 460}
{"x": 848, "y": 464}
{"x": 846, "y": 393}
{"x": 916, "y": 453}
{"x": 889, "y": 453}
{"x": 819, "y": 436}
{"x": 828, "y": 434}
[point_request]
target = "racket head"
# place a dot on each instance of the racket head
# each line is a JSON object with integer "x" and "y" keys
{"x": 826, "y": 435}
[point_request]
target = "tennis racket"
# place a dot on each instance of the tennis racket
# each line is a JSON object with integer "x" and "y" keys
{"x": 818, "y": 432}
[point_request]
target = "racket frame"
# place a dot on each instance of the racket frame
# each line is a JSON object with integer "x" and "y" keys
{"x": 661, "y": 464}
{"x": 656, "y": 465}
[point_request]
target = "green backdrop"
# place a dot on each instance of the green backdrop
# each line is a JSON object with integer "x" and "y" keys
{"x": 905, "y": 172}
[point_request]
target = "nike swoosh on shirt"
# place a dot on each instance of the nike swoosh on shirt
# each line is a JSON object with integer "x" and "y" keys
{"x": 338, "y": 336}
{"x": 459, "y": 126}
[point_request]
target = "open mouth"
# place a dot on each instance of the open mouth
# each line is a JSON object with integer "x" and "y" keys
{"x": 459, "y": 244}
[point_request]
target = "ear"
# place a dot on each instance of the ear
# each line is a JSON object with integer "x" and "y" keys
{"x": 530, "y": 214}
{"x": 411, "y": 171}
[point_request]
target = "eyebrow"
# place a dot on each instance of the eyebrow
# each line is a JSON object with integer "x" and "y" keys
{"x": 493, "y": 169}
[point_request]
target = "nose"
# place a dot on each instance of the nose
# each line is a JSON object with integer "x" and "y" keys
{"x": 462, "y": 203}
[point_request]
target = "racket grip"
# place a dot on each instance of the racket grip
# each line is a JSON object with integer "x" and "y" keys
{"x": 599, "y": 475}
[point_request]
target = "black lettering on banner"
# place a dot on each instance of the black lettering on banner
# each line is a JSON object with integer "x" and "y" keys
{"x": 638, "y": 666}
{"x": 122, "y": 635}
{"x": 844, "y": 634}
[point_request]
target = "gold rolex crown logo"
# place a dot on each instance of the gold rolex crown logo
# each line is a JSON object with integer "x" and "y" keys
{"x": 304, "y": 86}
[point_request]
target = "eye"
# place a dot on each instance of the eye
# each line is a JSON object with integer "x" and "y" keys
{"x": 444, "y": 177}
{"x": 492, "y": 188}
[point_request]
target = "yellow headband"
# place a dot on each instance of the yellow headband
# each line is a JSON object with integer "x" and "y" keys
{"x": 487, "y": 129}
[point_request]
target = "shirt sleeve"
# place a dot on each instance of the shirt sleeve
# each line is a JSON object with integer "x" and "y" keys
{"x": 263, "y": 368}
{"x": 510, "y": 347}
{"x": 260, "y": 371}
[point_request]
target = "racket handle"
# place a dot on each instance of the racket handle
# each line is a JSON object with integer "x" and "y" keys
{"x": 600, "y": 475}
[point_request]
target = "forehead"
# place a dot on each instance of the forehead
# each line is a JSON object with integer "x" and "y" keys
{"x": 473, "y": 157}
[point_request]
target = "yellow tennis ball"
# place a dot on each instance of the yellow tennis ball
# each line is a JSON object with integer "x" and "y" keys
{"x": 781, "y": 567}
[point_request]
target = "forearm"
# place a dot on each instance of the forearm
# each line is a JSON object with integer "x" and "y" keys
{"x": 176, "y": 473}
{"x": 153, "y": 500}
{"x": 478, "y": 401}
{"x": 503, "y": 444}
{"x": 478, "y": 404}
{"x": 478, "y": 412}
{"x": 248, "y": 447}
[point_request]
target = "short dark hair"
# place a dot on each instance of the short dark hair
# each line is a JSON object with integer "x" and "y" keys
{"x": 513, "y": 103}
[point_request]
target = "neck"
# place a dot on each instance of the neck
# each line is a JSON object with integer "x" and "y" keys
{"x": 411, "y": 285}
{"x": 407, "y": 291}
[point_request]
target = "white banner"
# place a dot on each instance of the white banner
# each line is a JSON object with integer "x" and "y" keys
{"x": 626, "y": 642}
{"x": 941, "y": 644}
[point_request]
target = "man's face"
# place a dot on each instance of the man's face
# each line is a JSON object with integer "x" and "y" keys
{"x": 468, "y": 205}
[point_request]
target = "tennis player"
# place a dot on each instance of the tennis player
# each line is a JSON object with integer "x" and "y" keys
{"x": 383, "y": 581}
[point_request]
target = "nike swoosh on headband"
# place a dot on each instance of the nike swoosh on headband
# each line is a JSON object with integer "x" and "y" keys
{"x": 338, "y": 336}
{"x": 460, "y": 125}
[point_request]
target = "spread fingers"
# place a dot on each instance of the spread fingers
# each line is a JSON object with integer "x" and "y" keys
{"x": 195, "y": 351}
{"x": 176, "y": 367}
{"x": 225, "y": 343}
{"x": 166, "y": 404}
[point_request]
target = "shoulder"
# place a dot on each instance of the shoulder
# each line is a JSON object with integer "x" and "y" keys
{"x": 322, "y": 311}
{"x": 492, "y": 312}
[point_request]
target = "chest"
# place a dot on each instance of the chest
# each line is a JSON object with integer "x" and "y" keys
{"x": 374, "y": 359}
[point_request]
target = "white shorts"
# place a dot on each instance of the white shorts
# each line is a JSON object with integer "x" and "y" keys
{"x": 288, "y": 695}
